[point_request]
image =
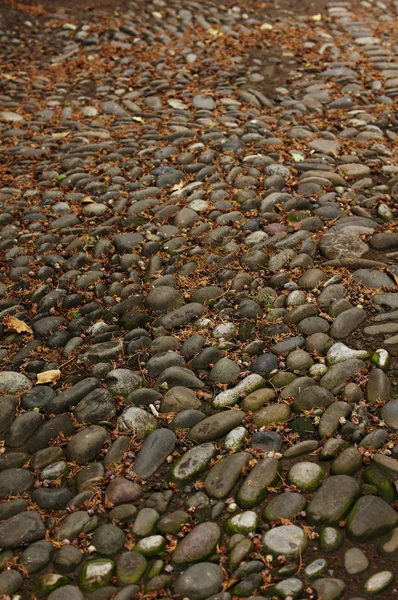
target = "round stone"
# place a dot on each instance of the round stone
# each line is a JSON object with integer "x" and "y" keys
{"x": 306, "y": 476}
{"x": 200, "y": 581}
{"x": 243, "y": 523}
{"x": 378, "y": 582}
{"x": 355, "y": 561}
{"x": 287, "y": 540}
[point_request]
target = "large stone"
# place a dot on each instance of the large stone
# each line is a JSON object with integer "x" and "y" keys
{"x": 157, "y": 446}
{"x": 14, "y": 383}
{"x": 341, "y": 245}
{"x": 87, "y": 444}
{"x": 336, "y": 377}
{"x": 137, "y": 420}
{"x": 224, "y": 475}
{"x": 200, "y": 581}
{"x": 333, "y": 501}
{"x": 216, "y": 426}
{"x": 346, "y": 322}
{"x": 286, "y": 540}
{"x": 192, "y": 463}
{"x": 370, "y": 517}
{"x": 25, "y": 528}
{"x": 255, "y": 486}
{"x": 199, "y": 544}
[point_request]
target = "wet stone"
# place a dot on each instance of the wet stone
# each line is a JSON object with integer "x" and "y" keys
{"x": 287, "y": 540}
{"x": 333, "y": 500}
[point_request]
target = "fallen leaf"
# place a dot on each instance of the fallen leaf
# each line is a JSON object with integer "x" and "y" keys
{"x": 59, "y": 135}
{"x": 297, "y": 157}
{"x": 213, "y": 31}
{"x": 392, "y": 275}
{"x": 87, "y": 200}
{"x": 16, "y": 325}
{"x": 266, "y": 26}
{"x": 49, "y": 376}
{"x": 317, "y": 17}
{"x": 139, "y": 119}
{"x": 178, "y": 186}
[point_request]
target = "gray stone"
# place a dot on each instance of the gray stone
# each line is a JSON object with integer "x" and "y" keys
{"x": 287, "y": 540}
{"x": 333, "y": 500}
{"x": 157, "y": 446}
{"x": 224, "y": 371}
{"x": 192, "y": 463}
{"x": 346, "y": 322}
{"x": 86, "y": 444}
{"x": 179, "y": 399}
{"x": 108, "y": 539}
{"x": 223, "y": 476}
{"x": 389, "y": 414}
{"x": 23, "y": 528}
{"x": 216, "y": 426}
{"x": 254, "y": 488}
{"x": 339, "y": 244}
{"x": 336, "y": 377}
{"x": 14, "y": 383}
{"x": 370, "y": 517}
{"x": 198, "y": 544}
{"x": 138, "y": 420}
{"x": 355, "y": 561}
{"x": 329, "y": 589}
{"x": 179, "y": 377}
{"x": 200, "y": 581}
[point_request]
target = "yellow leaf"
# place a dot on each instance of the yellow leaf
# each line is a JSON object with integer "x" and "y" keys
{"x": 59, "y": 135}
{"x": 266, "y": 26}
{"x": 14, "y": 324}
{"x": 139, "y": 119}
{"x": 49, "y": 376}
{"x": 178, "y": 186}
{"x": 87, "y": 200}
{"x": 213, "y": 31}
{"x": 317, "y": 17}
{"x": 393, "y": 275}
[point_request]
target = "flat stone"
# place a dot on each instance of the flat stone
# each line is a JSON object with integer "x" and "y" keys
{"x": 378, "y": 582}
{"x": 329, "y": 589}
{"x": 288, "y": 540}
{"x": 225, "y": 474}
{"x": 389, "y": 414}
{"x": 138, "y": 420}
{"x": 341, "y": 245}
{"x": 332, "y": 501}
{"x": 200, "y": 581}
{"x": 254, "y": 488}
{"x": 355, "y": 170}
{"x": 355, "y": 561}
{"x": 370, "y": 518}
{"x": 285, "y": 506}
{"x": 346, "y": 322}
{"x": 338, "y": 374}
{"x": 192, "y": 463}
{"x": 216, "y": 426}
{"x": 25, "y": 528}
{"x": 306, "y": 476}
{"x": 155, "y": 449}
{"x": 199, "y": 544}
{"x": 14, "y": 383}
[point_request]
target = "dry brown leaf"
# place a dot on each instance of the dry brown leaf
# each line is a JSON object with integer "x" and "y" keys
{"x": 16, "y": 325}
{"x": 49, "y": 376}
{"x": 393, "y": 275}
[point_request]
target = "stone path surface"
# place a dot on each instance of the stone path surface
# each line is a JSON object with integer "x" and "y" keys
{"x": 199, "y": 300}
